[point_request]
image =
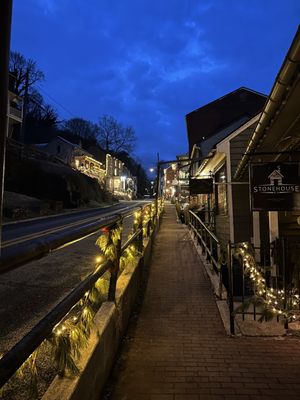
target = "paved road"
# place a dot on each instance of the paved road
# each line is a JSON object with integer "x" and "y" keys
{"x": 178, "y": 349}
{"x": 25, "y": 240}
{"x": 30, "y": 291}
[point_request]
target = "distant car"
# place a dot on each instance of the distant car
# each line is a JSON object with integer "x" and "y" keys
{"x": 146, "y": 196}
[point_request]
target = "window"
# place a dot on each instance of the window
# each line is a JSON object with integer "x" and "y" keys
{"x": 222, "y": 199}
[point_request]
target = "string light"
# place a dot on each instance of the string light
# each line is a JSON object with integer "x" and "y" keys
{"x": 274, "y": 299}
{"x": 72, "y": 324}
{"x": 85, "y": 311}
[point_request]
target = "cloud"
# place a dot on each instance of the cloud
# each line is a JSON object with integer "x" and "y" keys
{"x": 48, "y": 6}
{"x": 150, "y": 62}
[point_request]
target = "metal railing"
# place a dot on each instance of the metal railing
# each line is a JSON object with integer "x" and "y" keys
{"x": 145, "y": 220}
{"x": 264, "y": 288}
{"x": 208, "y": 241}
{"x": 15, "y": 112}
{"x": 209, "y": 244}
{"x": 264, "y": 281}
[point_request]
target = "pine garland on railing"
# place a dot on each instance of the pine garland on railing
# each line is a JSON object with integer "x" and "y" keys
{"x": 147, "y": 222}
{"x": 27, "y": 369}
{"x": 109, "y": 240}
{"x": 71, "y": 335}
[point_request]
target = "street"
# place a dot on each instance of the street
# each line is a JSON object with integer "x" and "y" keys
{"x": 25, "y": 240}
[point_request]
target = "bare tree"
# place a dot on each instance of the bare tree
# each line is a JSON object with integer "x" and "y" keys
{"x": 25, "y": 73}
{"x": 49, "y": 115}
{"x": 114, "y": 137}
{"x": 81, "y": 127}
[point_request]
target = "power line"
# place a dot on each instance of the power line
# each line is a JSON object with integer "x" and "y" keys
{"x": 56, "y": 102}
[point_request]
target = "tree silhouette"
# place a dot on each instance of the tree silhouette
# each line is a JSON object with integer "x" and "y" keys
{"x": 114, "y": 137}
{"x": 82, "y": 127}
{"x": 24, "y": 72}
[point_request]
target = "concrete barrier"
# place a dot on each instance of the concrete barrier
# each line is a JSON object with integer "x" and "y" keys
{"x": 110, "y": 325}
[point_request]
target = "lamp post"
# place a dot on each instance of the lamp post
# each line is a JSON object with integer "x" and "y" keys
{"x": 157, "y": 186}
{"x": 152, "y": 186}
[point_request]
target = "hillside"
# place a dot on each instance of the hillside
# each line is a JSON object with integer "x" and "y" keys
{"x": 57, "y": 186}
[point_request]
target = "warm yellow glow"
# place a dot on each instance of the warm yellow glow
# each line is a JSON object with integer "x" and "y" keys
{"x": 273, "y": 297}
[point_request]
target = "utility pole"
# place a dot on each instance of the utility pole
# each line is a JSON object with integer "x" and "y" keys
{"x": 157, "y": 185}
{"x": 5, "y": 28}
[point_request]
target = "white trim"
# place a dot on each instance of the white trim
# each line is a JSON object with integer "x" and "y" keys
{"x": 239, "y": 130}
{"x": 229, "y": 192}
{"x": 195, "y": 146}
{"x": 256, "y": 233}
{"x": 273, "y": 225}
{"x": 273, "y": 234}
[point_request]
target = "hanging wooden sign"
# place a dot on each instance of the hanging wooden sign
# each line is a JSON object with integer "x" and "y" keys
{"x": 275, "y": 186}
{"x": 201, "y": 186}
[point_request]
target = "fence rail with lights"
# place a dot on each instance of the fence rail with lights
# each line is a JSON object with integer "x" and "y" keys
{"x": 262, "y": 283}
{"x": 68, "y": 325}
{"x": 265, "y": 289}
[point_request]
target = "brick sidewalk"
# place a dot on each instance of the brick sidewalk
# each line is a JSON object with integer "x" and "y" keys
{"x": 179, "y": 350}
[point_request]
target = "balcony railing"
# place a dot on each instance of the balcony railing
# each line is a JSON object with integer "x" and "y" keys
{"x": 15, "y": 107}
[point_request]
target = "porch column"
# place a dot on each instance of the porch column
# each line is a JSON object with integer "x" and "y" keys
{"x": 256, "y": 234}
{"x": 273, "y": 234}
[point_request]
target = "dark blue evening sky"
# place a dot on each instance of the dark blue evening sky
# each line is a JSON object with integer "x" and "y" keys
{"x": 150, "y": 62}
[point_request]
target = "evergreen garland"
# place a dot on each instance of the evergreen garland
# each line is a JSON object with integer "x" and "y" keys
{"x": 28, "y": 368}
{"x": 71, "y": 334}
{"x": 109, "y": 240}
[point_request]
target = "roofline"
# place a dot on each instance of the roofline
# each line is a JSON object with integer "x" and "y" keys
{"x": 195, "y": 146}
{"x": 67, "y": 141}
{"x": 226, "y": 95}
{"x": 275, "y": 98}
{"x": 240, "y": 129}
{"x": 214, "y": 150}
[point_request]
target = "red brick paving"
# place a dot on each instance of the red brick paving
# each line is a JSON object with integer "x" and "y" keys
{"x": 179, "y": 349}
